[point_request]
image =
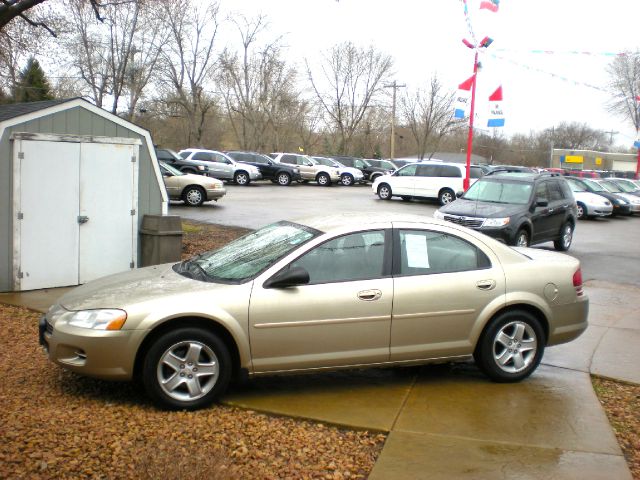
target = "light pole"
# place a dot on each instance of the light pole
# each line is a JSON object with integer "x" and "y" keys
{"x": 395, "y": 86}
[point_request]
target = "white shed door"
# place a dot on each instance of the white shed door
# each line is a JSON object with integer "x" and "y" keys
{"x": 107, "y": 201}
{"x": 77, "y": 211}
{"x": 49, "y": 189}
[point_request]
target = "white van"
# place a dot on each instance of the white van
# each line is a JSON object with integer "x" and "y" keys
{"x": 430, "y": 179}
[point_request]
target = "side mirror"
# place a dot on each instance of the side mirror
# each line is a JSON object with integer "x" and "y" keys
{"x": 288, "y": 278}
{"x": 459, "y": 194}
{"x": 542, "y": 203}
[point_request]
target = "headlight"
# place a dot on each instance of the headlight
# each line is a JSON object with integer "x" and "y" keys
{"x": 620, "y": 201}
{"x": 496, "y": 222}
{"x": 111, "y": 319}
{"x": 438, "y": 214}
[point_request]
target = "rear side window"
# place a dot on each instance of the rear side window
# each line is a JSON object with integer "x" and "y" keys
{"x": 429, "y": 170}
{"x": 424, "y": 252}
{"x": 208, "y": 157}
{"x": 566, "y": 190}
{"x": 449, "y": 171}
{"x": 475, "y": 172}
{"x": 555, "y": 193}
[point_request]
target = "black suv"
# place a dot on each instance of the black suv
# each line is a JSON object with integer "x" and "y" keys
{"x": 279, "y": 173}
{"x": 370, "y": 172}
{"x": 176, "y": 161}
{"x": 518, "y": 208}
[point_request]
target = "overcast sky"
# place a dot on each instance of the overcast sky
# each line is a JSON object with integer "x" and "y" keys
{"x": 425, "y": 36}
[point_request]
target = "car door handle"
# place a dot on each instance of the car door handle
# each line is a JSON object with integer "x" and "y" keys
{"x": 486, "y": 284}
{"x": 369, "y": 295}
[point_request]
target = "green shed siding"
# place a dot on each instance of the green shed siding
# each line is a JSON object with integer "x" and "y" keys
{"x": 73, "y": 121}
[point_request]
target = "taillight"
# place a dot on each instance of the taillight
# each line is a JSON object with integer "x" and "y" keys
{"x": 577, "y": 282}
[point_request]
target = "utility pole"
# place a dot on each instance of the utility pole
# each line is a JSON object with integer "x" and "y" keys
{"x": 611, "y": 134}
{"x": 395, "y": 87}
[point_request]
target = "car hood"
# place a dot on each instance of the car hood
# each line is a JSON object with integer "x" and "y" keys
{"x": 469, "y": 208}
{"x": 590, "y": 198}
{"x": 116, "y": 291}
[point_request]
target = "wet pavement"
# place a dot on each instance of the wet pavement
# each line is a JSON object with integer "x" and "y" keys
{"x": 451, "y": 422}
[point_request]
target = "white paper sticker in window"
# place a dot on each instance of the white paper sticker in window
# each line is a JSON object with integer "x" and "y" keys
{"x": 417, "y": 256}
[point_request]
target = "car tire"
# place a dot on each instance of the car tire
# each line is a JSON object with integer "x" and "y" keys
{"x": 510, "y": 347}
{"x": 522, "y": 238}
{"x": 284, "y": 179}
{"x": 186, "y": 368}
{"x": 384, "y": 191}
{"x": 582, "y": 211}
{"x": 323, "y": 179}
{"x": 563, "y": 243}
{"x": 347, "y": 179}
{"x": 194, "y": 196}
{"x": 446, "y": 196}
{"x": 241, "y": 178}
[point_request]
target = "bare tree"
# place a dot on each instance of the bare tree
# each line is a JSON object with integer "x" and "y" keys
{"x": 187, "y": 61}
{"x": 624, "y": 73}
{"x": 254, "y": 82}
{"x": 577, "y": 136}
{"x": 353, "y": 77}
{"x": 428, "y": 113}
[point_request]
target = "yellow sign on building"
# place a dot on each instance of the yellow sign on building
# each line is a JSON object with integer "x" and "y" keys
{"x": 598, "y": 160}
{"x": 573, "y": 159}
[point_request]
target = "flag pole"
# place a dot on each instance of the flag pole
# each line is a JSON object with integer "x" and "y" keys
{"x": 466, "y": 182}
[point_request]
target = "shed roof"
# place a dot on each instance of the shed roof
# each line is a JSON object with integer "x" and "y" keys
{"x": 13, "y": 110}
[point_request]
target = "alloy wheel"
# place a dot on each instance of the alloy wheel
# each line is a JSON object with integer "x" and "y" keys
{"x": 515, "y": 346}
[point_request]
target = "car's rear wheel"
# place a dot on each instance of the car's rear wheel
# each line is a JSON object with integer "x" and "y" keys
{"x": 582, "y": 211}
{"x": 186, "y": 368}
{"x": 284, "y": 179}
{"x": 347, "y": 179}
{"x": 446, "y": 196}
{"x": 193, "y": 196}
{"x": 566, "y": 237}
{"x": 323, "y": 179}
{"x": 384, "y": 192}
{"x": 522, "y": 238}
{"x": 241, "y": 178}
{"x": 510, "y": 347}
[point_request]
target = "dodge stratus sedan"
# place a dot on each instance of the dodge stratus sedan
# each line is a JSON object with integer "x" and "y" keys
{"x": 342, "y": 291}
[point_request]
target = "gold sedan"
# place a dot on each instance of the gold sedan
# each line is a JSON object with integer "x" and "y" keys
{"x": 192, "y": 189}
{"x": 325, "y": 293}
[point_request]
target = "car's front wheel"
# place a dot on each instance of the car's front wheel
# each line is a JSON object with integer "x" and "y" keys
{"x": 347, "y": 179}
{"x": 241, "y": 178}
{"x": 582, "y": 211}
{"x": 323, "y": 179}
{"x": 186, "y": 368}
{"x": 566, "y": 237}
{"x": 510, "y": 347}
{"x": 384, "y": 192}
{"x": 284, "y": 179}
{"x": 193, "y": 196}
{"x": 522, "y": 238}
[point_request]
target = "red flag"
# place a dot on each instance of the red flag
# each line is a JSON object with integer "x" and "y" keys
{"x": 637, "y": 98}
{"x": 466, "y": 85}
{"x": 490, "y": 5}
{"x": 497, "y": 95}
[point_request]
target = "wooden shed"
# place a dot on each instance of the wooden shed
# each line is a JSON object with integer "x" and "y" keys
{"x": 75, "y": 183}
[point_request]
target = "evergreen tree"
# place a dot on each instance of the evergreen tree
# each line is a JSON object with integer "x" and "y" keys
{"x": 32, "y": 85}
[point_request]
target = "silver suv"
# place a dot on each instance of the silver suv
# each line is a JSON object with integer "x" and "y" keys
{"x": 222, "y": 166}
{"x": 310, "y": 170}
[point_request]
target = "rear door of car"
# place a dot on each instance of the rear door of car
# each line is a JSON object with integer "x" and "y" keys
{"x": 548, "y": 219}
{"x": 443, "y": 280}
{"x": 342, "y": 317}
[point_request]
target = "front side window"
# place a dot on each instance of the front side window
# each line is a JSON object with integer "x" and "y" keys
{"x": 247, "y": 256}
{"x": 555, "y": 194}
{"x": 291, "y": 159}
{"x": 357, "y": 256}
{"x": 424, "y": 252}
{"x": 541, "y": 192}
{"x": 407, "y": 171}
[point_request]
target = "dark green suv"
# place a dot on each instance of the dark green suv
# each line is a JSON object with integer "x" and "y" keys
{"x": 520, "y": 209}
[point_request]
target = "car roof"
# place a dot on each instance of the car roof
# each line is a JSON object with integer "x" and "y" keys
{"x": 327, "y": 223}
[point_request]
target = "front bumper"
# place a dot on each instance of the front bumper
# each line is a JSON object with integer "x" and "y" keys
{"x": 215, "y": 194}
{"x": 108, "y": 355}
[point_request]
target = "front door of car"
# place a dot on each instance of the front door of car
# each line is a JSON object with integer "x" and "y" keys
{"x": 308, "y": 170}
{"x": 403, "y": 181}
{"x": 543, "y": 217}
{"x": 224, "y": 166}
{"x": 341, "y": 317}
{"x": 427, "y": 181}
{"x": 442, "y": 283}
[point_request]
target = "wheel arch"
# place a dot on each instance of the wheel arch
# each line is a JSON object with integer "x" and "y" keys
{"x": 191, "y": 321}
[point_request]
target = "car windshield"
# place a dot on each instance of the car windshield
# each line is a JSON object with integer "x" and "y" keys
{"x": 247, "y": 256}
{"x": 594, "y": 186}
{"x": 576, "y": 187}
{"x": 325, "y": 161}
{"x": 184, "y": 154}
{"x": 171, "y": 170}
{"x": 626, "y": 187}
{"x": 612, "y": 187}
{"x": 517, "y": 193}
{"x": 388, "y": 165}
